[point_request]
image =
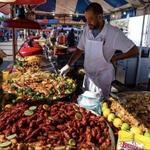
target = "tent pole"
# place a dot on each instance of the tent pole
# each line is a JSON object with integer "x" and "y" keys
{"x": 13, "y": 36}
{"x": 14, "y": 44}
{"x": 141, "y": 44}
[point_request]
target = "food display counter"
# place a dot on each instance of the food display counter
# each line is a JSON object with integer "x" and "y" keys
{"x": 37, "y": 115}
{"x": 39, "y": 110}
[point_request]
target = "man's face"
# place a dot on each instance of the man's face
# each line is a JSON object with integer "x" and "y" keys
{"x": 93, "y": 20}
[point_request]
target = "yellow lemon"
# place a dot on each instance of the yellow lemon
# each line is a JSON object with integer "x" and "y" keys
{"x": 106, "y": 112}
{"x": 117, "y": 122}
{"x": 125, "y": 127}
{"x": 105, "y": 105}
{"x": 111, "y": 117}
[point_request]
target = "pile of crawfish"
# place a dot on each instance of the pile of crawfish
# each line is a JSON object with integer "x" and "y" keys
{"x": 53, "y": 126}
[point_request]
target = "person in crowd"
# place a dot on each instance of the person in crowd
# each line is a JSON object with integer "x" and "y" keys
{"x": 71, "y": 38}
{"x": 61, "y": 39}
{"x": 53, "y": 36}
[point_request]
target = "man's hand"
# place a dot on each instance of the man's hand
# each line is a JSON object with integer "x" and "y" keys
{"x": 65, "y": 70}
{"x": 76, "y": 55}
{"x": 113, "y": 59}
{"x": 131, "y": 53}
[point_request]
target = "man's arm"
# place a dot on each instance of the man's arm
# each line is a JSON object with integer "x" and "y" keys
{"x": 131, "y": 53}
{"x": 76, "y": 55}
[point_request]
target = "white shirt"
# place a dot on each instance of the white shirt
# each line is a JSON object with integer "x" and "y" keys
{"x": 114, "y": 39}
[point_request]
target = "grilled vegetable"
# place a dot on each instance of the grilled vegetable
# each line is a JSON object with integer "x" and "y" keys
{"x": 28, "y": 113}
{"x": 72, "y": 142}
{"x": 32, "y": 108}
{"x": 5, "y": 144}
{"x": 11, "y": 136}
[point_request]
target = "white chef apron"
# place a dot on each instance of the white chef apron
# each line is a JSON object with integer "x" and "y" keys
{"x": 99, "y": 73}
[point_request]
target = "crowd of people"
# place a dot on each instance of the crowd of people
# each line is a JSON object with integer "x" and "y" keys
{"x": 61, "y": 37}
{"x": 55, "y": 36}
{"x": 6, "y": 35}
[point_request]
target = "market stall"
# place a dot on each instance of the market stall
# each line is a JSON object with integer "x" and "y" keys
{"x": 42, "y": 110}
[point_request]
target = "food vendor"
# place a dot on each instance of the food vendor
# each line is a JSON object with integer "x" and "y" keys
{"x": 99, "y": 41}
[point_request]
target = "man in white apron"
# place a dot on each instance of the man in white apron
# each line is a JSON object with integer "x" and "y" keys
{"x": 99, "y": 41}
